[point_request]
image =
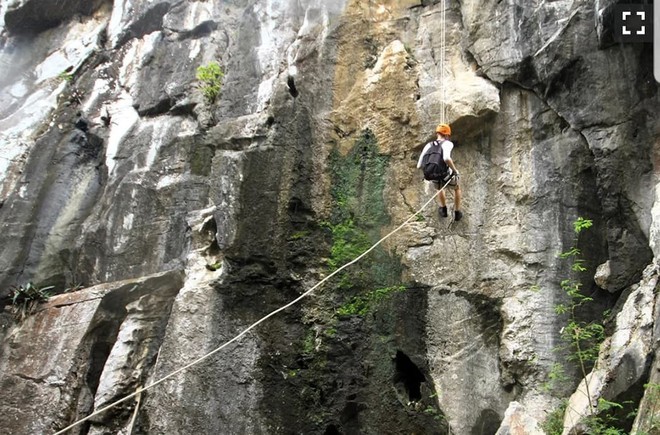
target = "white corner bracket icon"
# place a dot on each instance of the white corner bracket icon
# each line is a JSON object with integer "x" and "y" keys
{"x": 642, "y": 16}
{"x": 624, "y": 28}
{"x": 624, "y": 17}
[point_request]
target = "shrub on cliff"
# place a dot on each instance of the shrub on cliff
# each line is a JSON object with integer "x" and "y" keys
{"x": 25, "y": 298}
{"x": 210, "y": 77}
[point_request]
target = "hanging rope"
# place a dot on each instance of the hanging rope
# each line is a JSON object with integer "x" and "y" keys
{"x": 139, "y": 391}
{"x": 443, "y": 41}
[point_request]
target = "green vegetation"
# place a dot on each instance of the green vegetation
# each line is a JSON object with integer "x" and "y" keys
{"x": 582, "y": 339}
{"x": 429, "y": 410}
{"x": 649, "y": 420}
{"x": 348, "y": 243}
{"x": 361, "y": 305}
{"x": 557, "y": 376}
{"x": 359, "y": 214}
{"x": 215, "y": 266}
{"x": 66, "y": 76}
{"x": 554, "y": 422}
{"x": 210, "y": 77}
{"x": 581, "y": 342}
{"x": 25, "y": 298}
{"x": 357, "y": 220}
{"x": 309, "y": 343}
{"x": 299, "y": 235}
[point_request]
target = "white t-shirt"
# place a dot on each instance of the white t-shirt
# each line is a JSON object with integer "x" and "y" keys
{"x": 446, "y": 145}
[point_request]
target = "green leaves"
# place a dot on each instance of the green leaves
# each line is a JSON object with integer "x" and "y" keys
{"x": 30, "y": 292}
{"x": 24, "y": 298}
{"x": 349, "y": 243}
{"x": 361, "y": 305}
{"x": 581, "y": 224}
{"x": 210, "y": 76}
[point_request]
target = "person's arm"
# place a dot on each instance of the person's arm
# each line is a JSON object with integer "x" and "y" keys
{"x": 421, "y": 156}
{"x": 447, "y": 146}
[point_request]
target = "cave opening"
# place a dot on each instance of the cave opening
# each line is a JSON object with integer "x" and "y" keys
{"x": 487, "y": 423}
{"x": 291, "y": 83}
{"x": 408, "y": 374}
{"x": 331, "y": 430}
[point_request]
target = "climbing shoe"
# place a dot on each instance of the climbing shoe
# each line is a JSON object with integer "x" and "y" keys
{"x": 442, "y": 211}
{"x": 458, "y": 215}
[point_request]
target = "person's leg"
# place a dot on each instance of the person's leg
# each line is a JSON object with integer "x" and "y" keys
{"x": 442, "y": 199}
{"x": 457, "y": 203}
{"x": 442, "y": 202}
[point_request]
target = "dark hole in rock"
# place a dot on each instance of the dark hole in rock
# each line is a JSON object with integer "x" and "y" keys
{"x": 349, "y": 416}
{"x": 332, "y": 430}
{"x": 98, "y": 356}
{"x": 408, "y": 374}
{"x": 295, "y": 205}
{"x": 487, "y": 423}
{"x": 290, "y": 82}
{"x": 270, "y": 121}
{"x": 104, "y": 336}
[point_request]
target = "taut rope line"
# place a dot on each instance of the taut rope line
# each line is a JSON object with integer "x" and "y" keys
{"x": 255, "y": 324}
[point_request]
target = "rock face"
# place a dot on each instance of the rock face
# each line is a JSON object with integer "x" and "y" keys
{"x": 168, "y": 222}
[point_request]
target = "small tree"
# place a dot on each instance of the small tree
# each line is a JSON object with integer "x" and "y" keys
{"x": 582, "y": 338}
{"x": 210, "y": 77}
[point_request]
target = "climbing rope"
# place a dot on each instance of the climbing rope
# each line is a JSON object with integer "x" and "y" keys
{"x": 443, "y": 41}
{"x": 255, "y": 324}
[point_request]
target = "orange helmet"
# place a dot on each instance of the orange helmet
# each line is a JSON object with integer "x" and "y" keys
{"x": 443, "y": 129}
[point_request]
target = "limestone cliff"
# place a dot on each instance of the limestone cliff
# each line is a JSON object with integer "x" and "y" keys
{"x": 168, "y": 222}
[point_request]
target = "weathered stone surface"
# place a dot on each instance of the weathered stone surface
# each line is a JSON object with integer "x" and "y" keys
{"x": 324, "y": 108}
{"x": 470, "y": 100}
{"x": 464, "y": 365}
{"x": 518, "y": 422}
{"x": 33, "y": 16}
{"x": 53, "y": 360}
{"x": 32, "y": 78}
{"x": 648, "y": 413}
{"x": 603, "y": 276}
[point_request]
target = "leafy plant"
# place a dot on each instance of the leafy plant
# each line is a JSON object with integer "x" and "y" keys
{"x": 582, "y": 338}
{"x": 582, "y": 341}
{"x": 66, "y": 76}
{"x": 349, "y": 243}
{"x": 429, "y": 410}
{"x": 557, "y": 376}
{"x": 554, "y": 422}
{"x": 214, "y": 266}
{"x": 210, "y": 76}
{"x": 602, "y": 422}
{"x": 361, "y": 305}
{"x": 649, "y": 419}
{"x": 309, "y": 343}
{"x": 25, "y": 298}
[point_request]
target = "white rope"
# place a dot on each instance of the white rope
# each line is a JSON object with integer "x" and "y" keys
{"x": 246, "y": 330}
{"x": 443, "y": 41}
{"x": 135, "y": 412}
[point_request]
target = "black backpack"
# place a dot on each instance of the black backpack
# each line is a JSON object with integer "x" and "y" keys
{"x": 433, "y": 163}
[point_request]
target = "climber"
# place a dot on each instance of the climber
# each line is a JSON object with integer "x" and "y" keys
{"x": 439, "y": 168}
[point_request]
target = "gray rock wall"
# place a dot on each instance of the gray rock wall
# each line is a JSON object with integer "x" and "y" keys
{"x": 184, "y": 221}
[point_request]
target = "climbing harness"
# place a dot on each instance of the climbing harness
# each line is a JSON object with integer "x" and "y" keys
{"x": 139, "y": 391}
